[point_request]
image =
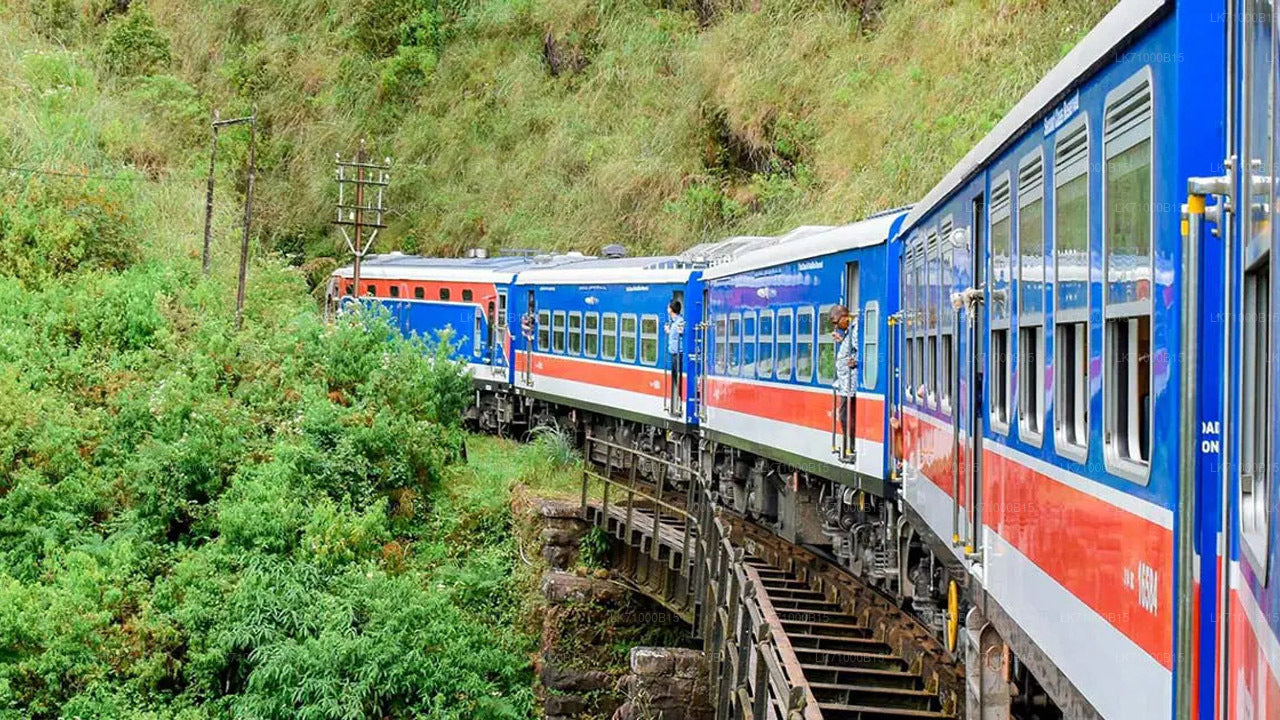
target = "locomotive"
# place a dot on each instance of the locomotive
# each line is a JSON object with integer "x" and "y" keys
{"x": 1057, "y": 446}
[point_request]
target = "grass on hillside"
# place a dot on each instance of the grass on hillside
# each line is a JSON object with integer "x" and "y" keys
{"x": 576, "y": 123}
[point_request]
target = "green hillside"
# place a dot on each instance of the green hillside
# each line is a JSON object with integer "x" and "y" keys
{"x": 576, "y": 123}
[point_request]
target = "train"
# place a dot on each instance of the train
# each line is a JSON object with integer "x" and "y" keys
{"x": 1054, "y": 438}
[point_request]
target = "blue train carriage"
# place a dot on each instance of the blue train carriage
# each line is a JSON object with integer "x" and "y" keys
{"x": 782, "y": 450}
{"x": 467, "y": 297}
{"x": 1046, "y": 429}
{"x": 597, "y": 356}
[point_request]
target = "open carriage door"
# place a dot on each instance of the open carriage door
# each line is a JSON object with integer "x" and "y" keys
{"x": 973, "y": 319}
{"x": 703, "y": 350}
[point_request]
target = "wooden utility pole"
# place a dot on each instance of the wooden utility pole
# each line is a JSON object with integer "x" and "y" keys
{"x": 248, "y": 219}
{"x": 208, "y": 197}
{"x": 369, "y": 174}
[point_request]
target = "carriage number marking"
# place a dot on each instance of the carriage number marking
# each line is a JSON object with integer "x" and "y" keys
{"x": 1147, "y": 582}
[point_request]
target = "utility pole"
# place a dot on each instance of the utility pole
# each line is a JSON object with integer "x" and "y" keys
{"x": 218, "y": 124}
{"x": 248, "y": 219}
{"x": 208, "y": 197}
{"x": 369, "y": 174}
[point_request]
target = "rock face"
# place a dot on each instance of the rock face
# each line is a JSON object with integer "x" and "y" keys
{"x": 583, "y": 614}
{"x": 667, "y": 683}
{"x": 562, "y": 531}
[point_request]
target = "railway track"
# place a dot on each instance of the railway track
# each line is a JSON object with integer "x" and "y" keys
{"x": 790, "y": 635}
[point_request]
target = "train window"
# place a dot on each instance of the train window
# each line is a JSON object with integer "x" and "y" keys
{"x": 748, "y": 344}
{"x": 500, "y": 321}
{"x": 804, "y": 344}
{"x": 444, "y": 293}
{"x": 931, "y": 283}
{"x": 764, "y": 359}
{"x": 477, "y": 337}
{"x": 909, "y": 324}
{"x": 628, "y": 338}
{"x": 544, "y": 330}
{"x": 826, "y": 346}
{"x": 557, "y": 331}
{"x": 946, "y": 345}
{"x": 1127, "y": 241}
{"x": 1255, "y": 411}
{"x": 371, "y": 290}
{"x": 575, "y": 333}
{"x": 395, "y": 291}
{"x": 782, "y": 346}
{"x": 591, "y": 334}
{"x": 466, "y": 296}
{"x": 722, "y": 354}
{"x": 735, "y": 343}
{"x": 869, "y": 360}
{"x": 649, "y": 339}
{"x": 1000, "y": 379}
{"x": 918, "y": 389}
{"x": 1071, "y": 291}
{"x": 419, "y": 293}
{"x": 609, "y": 336}
{"x": 1031, "y": 252}
{"x": 998, "y": 358}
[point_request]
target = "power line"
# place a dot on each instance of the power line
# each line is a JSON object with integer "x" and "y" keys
{"x": 81, "y": 176}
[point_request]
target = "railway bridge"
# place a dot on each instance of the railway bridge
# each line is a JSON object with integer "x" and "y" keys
{"x": 789, "y": 635}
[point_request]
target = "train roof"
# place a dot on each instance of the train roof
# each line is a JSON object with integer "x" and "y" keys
{"x": 1096, "y": 48}
{"x": 502, "y": 269}
{"x": 606, "y": 271}
{"x": 813, "y": 242}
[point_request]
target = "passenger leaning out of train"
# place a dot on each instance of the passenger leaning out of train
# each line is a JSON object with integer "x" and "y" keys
{"x": 675, "y": 346}
{"x": 845, "y": 333}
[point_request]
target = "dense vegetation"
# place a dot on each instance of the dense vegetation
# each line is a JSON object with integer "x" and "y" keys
{"x": 576, "y": 123}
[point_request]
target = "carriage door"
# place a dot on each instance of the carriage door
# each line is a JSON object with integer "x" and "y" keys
{"x": 703, "y": 349}
{"x": 1247, "y": 679}
{"x": 975, "y": 378}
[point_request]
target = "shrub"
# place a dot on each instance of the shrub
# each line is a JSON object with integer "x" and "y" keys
{"x": 51, "y": 226}
{"x": 133, "y": 45}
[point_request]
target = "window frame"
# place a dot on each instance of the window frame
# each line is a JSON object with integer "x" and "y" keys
{"x": 647, "y": 336}
{"x": 609, "y": 337}
{"x": 559, "y": 323}
{"x": 1122, "y": 467}
{"x": 419, "y": 293}
{"x": 575, "y": 315}
{"x": 803, "y": 312}
{"x": 788, "y": 342}
{"x": 634, "y": 337}
{"x": 1030, "y": 380}
{"x": 947, "y": 330}
{"x": 735, "y": 343}
{"x": 764, "y": 341}
{"x": 749, "y": 349}
{"x": 1064, "y": 319}
{"x": 444, "y": 294}
{"x": 544, "y": 331}
{"x": 932, "y": 343}
{"x": 590, "y": 335}
{"x": 721, "y": 341}
{"x": 824, "y": 332}
{"x": 467, "y": 295}
{"x": 996, "y": 214}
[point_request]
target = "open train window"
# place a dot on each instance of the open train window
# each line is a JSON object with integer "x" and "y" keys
{"x": 466, "y": 296}
{"x": 826, "y": 346}
{"x": 764, "y": 360}
{"x": 477, "y": 336}
{"x": 1071, "y": 291}
{"x": 609, "y": 336}
{"x": 557, "y": 331}
{"x": 1127, "y": 246}
{"x": 544, "y": 330}
{"x": 869, "y": 360}
{"x": 1255, "y": 410}
{"x": 722, "y": 335}
{"x": 372, "y": 290}
{"x": 947, "y": 323}
{"x": 444, "y": 293}
{"x": 395, "y": 291}
{"x": 804, "y": 344}
{"x": 919, "y": 390}
{"x": 1031, "y": 345}
{"x": 931, "y": 284}
{"x": 649, "y": 340}
{"x": 575, "y": 333}
{"x": 628, "y": 338}
{"x": 735, "y": 343}
{"x": 749, "y": 343}
{"x": 419, "y": 293}
{"x": 591, "y": 334}
{"x": 783, "y": 342}
{"x": 908, "y": 325}
{"x": 999, "y": 359}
